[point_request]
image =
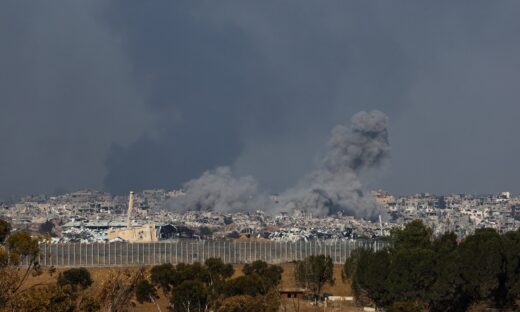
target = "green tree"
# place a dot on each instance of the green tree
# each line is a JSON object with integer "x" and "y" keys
{"x": 190, "y": 296}
{"x": 218, "y": 270}
{"x": 370, "y": 275}
{"x": 192, "y": 272}
{"x": 241, "y": 303}
{"x": 76, "y": 278}
{"x": 251, "y": 285}
{"x": 164, "y": 276}
{"x": 511, "y": 252}
{"x": 5, "y": 230}
{"x": 440, "y": 274}
{"x": 22, "y": 247}
{"x": 145, "y": 292}
{"x": 410, "y": 275}
{"x": 314, "y": 272}
{"x": 446, "y": 293}
{"x": 348, "y": 271}
{"x": 17, "y": 248}
{"x": 403, "y": 272}
{"x": 483, "y": 266}
{"x": 272, "y": 273}
{"x": 414, "y": 235}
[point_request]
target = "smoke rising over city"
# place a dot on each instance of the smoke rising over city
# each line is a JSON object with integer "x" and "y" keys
{"x": 118, "y": 96}
{"x": 333, "y": 187}
{"x": 218, "y": 190}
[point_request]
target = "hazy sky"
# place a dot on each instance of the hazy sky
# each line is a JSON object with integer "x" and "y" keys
{"x": 120, "y": 95}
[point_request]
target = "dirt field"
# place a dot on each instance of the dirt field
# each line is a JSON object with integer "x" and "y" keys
{"x": 99, "y": 275}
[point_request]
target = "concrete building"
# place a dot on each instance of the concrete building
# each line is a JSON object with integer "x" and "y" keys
{"x": 139, "y": 234}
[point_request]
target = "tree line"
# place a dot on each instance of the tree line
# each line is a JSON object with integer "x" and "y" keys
{"x": 211, "y": 286}
{"x": 417, "y": 272}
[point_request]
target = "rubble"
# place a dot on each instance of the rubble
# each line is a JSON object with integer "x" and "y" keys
{"x": 86, "y": 216}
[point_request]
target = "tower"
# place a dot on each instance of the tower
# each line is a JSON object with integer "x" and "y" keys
{"x": 130, "y": 209}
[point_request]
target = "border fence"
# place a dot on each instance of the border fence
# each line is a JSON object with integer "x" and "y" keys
{"x": 190, "y": 251}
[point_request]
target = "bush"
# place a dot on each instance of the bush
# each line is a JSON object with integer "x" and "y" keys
{"x": 218, "y": 270}
{"x": 144, "y": 291}
{"x": 251, "y": 285}
{"x": 45, "y": 299}
{"x": 271, "y": 273}
{"x": 76, "y": 277}
{"x": 22, "y": 246}
{"x": 164, "y": 276}
{"x": 89, "y": 304}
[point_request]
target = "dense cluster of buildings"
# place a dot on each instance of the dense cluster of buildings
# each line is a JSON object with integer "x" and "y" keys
{"x": 89, "y": 216}
{"x": 459, "y": 213}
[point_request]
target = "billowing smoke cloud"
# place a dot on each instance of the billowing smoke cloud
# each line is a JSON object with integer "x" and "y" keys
{"x": 333, "y": 187}
{"x": 219, "y": 190}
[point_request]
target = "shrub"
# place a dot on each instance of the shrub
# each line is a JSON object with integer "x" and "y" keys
{"x": 76, "y": 277}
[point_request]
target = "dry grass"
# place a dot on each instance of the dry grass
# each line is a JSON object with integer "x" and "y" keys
{"x": 99, "y": 276}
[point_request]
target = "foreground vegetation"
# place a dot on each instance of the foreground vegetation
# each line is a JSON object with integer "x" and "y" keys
{"x": 416, "y": 272}
{"x": 419, "y": 273}
{"x": 188, "y": 287}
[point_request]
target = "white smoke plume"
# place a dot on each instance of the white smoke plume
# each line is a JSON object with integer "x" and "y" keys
{"x": 333, "y": 187}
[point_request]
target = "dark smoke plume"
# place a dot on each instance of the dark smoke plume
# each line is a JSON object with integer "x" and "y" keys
{"x": 334, "y": 187}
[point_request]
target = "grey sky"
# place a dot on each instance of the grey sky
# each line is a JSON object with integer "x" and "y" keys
{"x": 120, "y": 95}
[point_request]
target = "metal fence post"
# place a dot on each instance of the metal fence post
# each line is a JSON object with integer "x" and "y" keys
{"x": 203, "y": 253}
{"x": 224, "y": 252}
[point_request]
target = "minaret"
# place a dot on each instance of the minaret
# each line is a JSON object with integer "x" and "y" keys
{"x": 130, "y": 209}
